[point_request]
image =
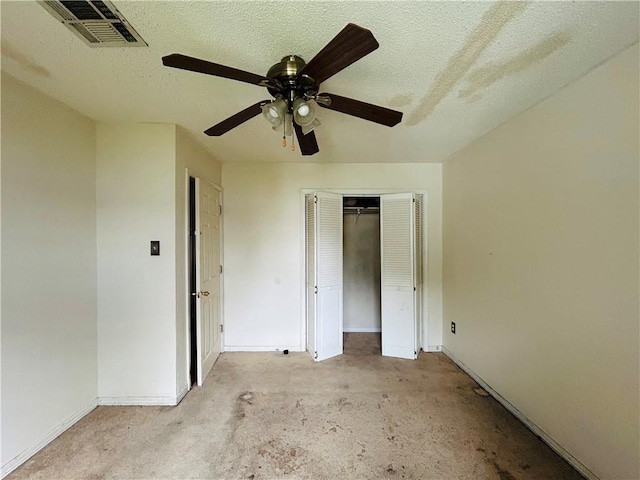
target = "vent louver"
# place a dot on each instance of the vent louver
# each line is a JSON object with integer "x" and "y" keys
{"x": 97, "y": 23}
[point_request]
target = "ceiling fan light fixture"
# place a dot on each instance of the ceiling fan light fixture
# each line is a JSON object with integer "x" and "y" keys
{"x": 275, "y": 111}
{"x": 301, "y": 107}
{"x": 294, "y": 85}
{"x": 304, "y": 112}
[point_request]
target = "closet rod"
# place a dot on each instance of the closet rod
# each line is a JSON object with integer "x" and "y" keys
{"x": 362, "y": 211}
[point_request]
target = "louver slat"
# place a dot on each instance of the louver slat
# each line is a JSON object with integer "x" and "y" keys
{"x": 97, "y": 23}
{"x": 396, "y": 243}
{"x": 82, "y": 10}
{"x": 311, "y": 241}
{"x": 330, "y": 242}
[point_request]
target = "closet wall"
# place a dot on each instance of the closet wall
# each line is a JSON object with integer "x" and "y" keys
{"x": 361, "y": 272}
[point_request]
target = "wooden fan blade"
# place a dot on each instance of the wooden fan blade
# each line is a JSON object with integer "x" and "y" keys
{"x": 367, "y": 111}
{"x": 307, "y": 143}
{"x": 235, "y": 120}
{"x": 184, "y": 62}
{"x": 349, "y": 46}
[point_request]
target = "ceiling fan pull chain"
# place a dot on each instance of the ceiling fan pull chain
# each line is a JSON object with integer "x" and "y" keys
{"x": 293, "y": 143}
{"x": 284, "y": 134}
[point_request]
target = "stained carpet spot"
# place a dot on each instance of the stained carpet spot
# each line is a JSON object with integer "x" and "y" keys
{"x": 244, "y": 399}
{"x": 287, "y": 460}
{"x": 503, "y": 474}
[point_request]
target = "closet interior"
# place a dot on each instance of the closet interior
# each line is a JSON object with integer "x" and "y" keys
{"x": 361, "y": 275}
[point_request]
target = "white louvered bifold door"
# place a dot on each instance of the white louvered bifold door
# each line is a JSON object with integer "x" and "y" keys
{"x": 310, "y": 281}
{"x": 328, "y": 271}
{"x": 397, "y": 246}
{"x": 417, "y": 272}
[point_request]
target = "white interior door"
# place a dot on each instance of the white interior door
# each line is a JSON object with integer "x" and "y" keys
{"x": 398, "y": 275}
{"x": 324, "y": 251}
{"x": 208, "y": 329}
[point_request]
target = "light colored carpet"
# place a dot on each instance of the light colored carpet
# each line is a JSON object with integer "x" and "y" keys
{"x": 269, "y": 415}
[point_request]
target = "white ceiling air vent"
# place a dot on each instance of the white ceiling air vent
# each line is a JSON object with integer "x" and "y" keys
{"x": 97, "y": 23}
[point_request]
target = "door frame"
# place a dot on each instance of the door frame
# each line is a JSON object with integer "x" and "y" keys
{"x": 423, "y": 334}
{"x": 187, "y": 292}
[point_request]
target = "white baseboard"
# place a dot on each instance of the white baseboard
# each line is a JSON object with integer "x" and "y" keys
{"x": 555, "y": 446}
{"x": 262, "y": 348}
{"x": 182, "y": 394}
{"x": 140, "y": 401}
{"x": 26, "y": 454}
{"x": 361, "y": 330}
{"x": 432, "y": 348}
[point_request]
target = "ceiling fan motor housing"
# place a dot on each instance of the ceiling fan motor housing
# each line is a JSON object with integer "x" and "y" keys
{"x": 288, "y": 82}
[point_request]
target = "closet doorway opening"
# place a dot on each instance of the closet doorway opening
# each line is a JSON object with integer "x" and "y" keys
{"x": 328, "y": 268}
{"x": 362, "y": 308}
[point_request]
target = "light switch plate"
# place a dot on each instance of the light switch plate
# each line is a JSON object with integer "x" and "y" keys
{"x": 155, "y": 247}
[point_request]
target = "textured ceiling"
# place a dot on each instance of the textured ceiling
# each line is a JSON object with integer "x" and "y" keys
{"x": 456, "y": 69}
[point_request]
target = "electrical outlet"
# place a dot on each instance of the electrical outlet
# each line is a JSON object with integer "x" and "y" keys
{"x": 453, "y": 327}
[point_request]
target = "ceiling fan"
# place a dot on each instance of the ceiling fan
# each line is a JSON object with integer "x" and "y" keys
{"x": 294, "y": 85}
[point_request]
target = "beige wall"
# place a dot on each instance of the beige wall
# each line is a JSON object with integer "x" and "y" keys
{"x": 263, "y": 251}
{"x": 136, "y": 291}
{"x": 48, "y": 269}
{"x": 541, "y": 265}
{"x": 142, "y": 316}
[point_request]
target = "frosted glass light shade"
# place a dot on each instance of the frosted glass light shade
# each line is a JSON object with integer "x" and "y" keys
{"x": 304, "y": 112}
{"x": 275, "y": 111}
{"x": 310, "y": 126}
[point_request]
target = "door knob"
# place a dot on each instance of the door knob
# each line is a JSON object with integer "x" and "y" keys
{"x": 200, "y": 294}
